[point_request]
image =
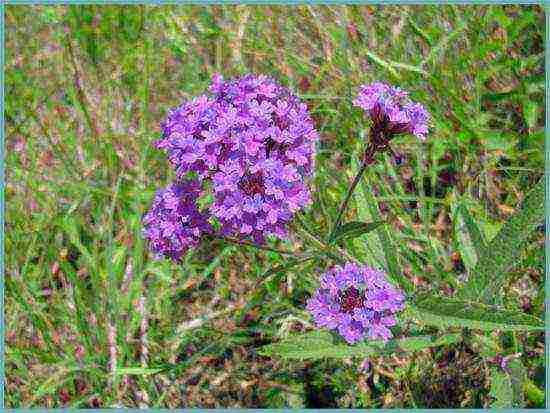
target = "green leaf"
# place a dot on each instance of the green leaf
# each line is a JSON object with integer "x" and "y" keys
{"x": 533, "y": 393}
{"x": 353, "y": 230}
{"x": 370, "y": 244}
{"x": 485, "y": 345}
{"x": 517, "y": 376}
{"x": 449, "y": 312}
{"x": 379, "y": 243}
{"x": 507, "y": 386}
{"x": 502, "y": 253}
{"x": 501, "y": 389}
{"x": 321, "y": 344}
{"x": 469, "y": 238}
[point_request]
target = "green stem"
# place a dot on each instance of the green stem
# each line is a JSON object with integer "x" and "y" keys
{"x": 351, "y": 189}
{"x": 320, "y": 243}
{"x": 260, "y": 247}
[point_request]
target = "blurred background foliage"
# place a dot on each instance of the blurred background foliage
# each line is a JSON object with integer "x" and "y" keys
{"x": 93, "y": 321}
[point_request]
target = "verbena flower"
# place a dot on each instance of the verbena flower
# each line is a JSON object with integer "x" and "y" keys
{"x": 357, "y": 301}
{"x": 259, "y": 198}
{"x": 254, "y": 141}
{"x": 174, "y": 222}
{"x": 392, "y": 112}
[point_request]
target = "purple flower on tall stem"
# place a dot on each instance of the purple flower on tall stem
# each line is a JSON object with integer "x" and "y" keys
{"x": 357, "y": 301}
{"x": 174, "y": 222}
{"x": 392, "y": 113}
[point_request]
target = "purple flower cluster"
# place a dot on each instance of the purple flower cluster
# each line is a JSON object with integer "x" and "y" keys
{"x": 392, "y": 111}
{"x": 254, "y": 141}
{"x": 174, "y": 222}
{"x": 357, "y": 301}
{"x": 250, "y": 142}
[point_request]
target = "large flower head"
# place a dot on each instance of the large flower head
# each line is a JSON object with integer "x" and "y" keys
{"x": 254, "y": 141}
{"x": 251, "y": 117}
{"x": 357, "y": 301}
{"x": 174, "y": 222}
{"x": 392, "y": 111}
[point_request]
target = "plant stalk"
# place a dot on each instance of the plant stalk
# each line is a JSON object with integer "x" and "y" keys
{"x": 351, "y": 189}
{"x": 260, "y": 247}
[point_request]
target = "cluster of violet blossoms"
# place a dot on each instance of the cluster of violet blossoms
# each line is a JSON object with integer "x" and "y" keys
{"x": 357, "y": 301}
{"x": 251, "y": 143}
{"x": 392, "y": 113}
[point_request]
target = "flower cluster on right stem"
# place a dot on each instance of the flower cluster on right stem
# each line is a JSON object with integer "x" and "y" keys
{"x": 392, "y": 113}
{"x": 356, "y": 300}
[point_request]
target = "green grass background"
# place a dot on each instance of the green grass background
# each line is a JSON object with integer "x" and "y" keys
{"x": 93, "y": 321}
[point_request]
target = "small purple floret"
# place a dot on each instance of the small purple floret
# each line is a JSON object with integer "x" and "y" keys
{"x": 391, "y": 109}
{"x": 357, "y": 301}
{"x": 174, "y": 222}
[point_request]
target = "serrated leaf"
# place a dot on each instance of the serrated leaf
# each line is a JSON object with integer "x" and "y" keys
{"x": 507, "y": 385}
{"x": 354, "y": 229}
{"x": 469, "y": 238}
{"x": 489, "y": 275}
{"x": 379, "y": 244}
{"x": 321, "y": 344}
{"x": 367, "y": 210}
{"x": 517, "y": 376}
{"x": 449, "y": 312}
{"x": 501, "y": 389}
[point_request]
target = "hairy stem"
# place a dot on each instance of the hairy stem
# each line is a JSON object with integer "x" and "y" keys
{"x": 260, "y": 247}
{"x": 351, "y": 189}
{"x": 319, "y": 242}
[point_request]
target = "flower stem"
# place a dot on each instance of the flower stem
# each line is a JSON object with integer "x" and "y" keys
{"x": 260, "y": 247}
{"x": 351, "y": 189}
{"x": 323, "y": 247}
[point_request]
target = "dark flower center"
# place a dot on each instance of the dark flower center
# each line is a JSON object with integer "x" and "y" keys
{"x": 381, "y": 133}
{"x": 350, "y": 299}
{"x": 252, "y": 184}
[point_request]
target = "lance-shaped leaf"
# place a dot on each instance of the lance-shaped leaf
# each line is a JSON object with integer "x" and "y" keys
{"x": 322, "y": 344}
{"x": 468, "y": 237}
{"x": 370, "y": 244}
{"x": 489, "y": 275}
{"x": 501, "y": 389}
{"x": 353, "y": 229}
{"x": 449, "y": 312}
{"x": 507, "y": 385}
